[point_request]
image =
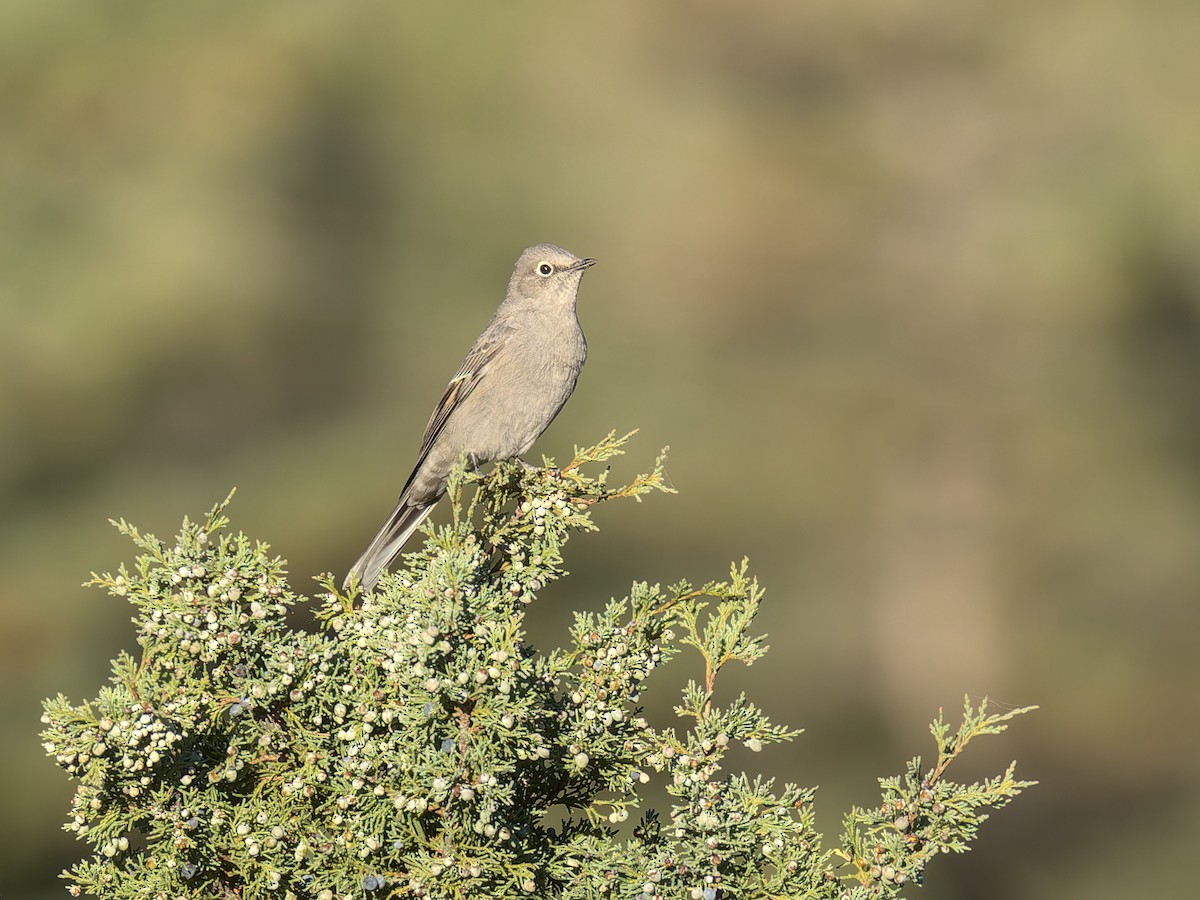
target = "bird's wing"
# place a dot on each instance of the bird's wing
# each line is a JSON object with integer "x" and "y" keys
{"x": 405, "y": 518}
{"x": 459, "y": 388}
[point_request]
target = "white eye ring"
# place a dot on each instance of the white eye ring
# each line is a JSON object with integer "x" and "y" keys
{"x": 545, "y": 270}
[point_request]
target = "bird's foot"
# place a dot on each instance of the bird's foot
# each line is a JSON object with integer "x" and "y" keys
{"x": 551, "y": 472}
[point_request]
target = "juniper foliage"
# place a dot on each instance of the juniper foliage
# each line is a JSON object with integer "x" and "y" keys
{"x": 416, "y": 745}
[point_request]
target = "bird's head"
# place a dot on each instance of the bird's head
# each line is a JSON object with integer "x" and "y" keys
{"x": 547, "y": 273}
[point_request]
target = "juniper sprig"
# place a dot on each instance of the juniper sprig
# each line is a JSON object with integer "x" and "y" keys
{"x": 416, "y": 745}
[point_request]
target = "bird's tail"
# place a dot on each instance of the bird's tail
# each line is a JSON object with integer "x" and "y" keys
{"x": 387, "y": 544}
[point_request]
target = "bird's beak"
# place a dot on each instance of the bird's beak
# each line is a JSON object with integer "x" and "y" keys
{"x": 583, "y": 264}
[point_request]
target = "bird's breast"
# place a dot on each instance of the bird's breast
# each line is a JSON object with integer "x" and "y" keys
{"x": 522, "y": 391}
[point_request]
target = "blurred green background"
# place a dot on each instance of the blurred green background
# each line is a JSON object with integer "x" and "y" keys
{"x": 911, "y": 288}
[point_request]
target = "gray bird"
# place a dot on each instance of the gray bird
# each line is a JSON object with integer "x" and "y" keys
{"x": 508, "y": 390}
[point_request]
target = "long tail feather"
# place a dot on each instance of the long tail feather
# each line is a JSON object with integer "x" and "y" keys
{"x": 387, "y": 544}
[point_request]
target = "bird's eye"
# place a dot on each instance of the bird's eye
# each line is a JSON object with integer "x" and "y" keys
{"x": 545, "y": 270}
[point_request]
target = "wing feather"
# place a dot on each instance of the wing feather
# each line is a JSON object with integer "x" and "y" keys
{"x": 459, "y": 388}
